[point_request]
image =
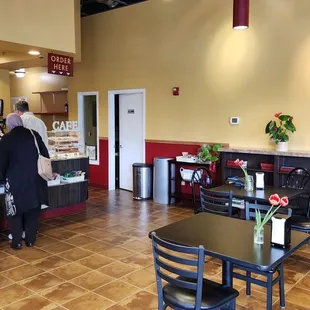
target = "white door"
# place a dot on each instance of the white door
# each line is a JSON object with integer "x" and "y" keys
{"x": 130, "y": 136}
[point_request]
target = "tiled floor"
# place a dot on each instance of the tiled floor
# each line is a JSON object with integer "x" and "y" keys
{"x": 101, "y": 259}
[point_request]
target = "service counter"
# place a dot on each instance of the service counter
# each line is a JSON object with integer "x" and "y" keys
{"x": 64, "y": 198}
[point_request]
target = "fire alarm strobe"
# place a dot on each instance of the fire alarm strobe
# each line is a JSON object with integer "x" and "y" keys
{"x": 234, "y": 120}
{"x": 176, "y": 91}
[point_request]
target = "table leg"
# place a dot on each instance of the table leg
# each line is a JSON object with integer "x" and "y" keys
{"x": 227, "y": 274}
{"x": 227, "y": 279}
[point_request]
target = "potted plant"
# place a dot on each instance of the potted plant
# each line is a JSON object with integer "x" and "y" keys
{"x": 209, "y": 154}
{"x": 278, "y": 130}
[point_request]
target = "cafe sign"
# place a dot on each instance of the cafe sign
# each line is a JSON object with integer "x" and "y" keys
{"x": 65, "y": 126}
{"x": 60, "y": 64}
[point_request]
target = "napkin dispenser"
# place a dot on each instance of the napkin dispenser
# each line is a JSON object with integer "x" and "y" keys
{"x": 260, "y": 183}
{"x": 281, "y": 230}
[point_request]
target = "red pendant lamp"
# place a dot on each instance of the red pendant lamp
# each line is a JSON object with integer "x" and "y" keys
{"x": 241, "y": 14}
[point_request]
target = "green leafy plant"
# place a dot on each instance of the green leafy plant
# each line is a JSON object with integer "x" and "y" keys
{"x": 209, "y": 152}
{"x": 278, "y": 130}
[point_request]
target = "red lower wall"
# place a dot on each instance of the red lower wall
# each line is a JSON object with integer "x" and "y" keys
{"x": 99, "y": 174}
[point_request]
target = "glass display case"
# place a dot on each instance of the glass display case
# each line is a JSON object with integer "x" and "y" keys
{"x": 64, "y": 144}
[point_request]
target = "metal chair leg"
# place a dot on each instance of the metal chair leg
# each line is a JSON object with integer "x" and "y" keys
{"x": 248, "y": 284}
{"x": 269, "y": 292}
{"x": 281, "y": 287}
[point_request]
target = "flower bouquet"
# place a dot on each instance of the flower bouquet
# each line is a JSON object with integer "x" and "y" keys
{"x": 248, "y": 179}
{"x": 276, "y": 203}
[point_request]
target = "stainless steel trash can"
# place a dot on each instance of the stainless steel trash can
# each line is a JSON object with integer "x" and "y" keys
{"x": 142, "y": 181}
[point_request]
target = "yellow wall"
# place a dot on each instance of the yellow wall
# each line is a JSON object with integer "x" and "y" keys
{"x": 41, "y": 23}
{"x": 35, "y": 80}
{"x": 221, "y": 72}
{"x": 5, "y": 90}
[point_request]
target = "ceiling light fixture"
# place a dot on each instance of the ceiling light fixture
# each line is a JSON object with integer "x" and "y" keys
{"x": 20, "y": 73}
{"x": 241, "y": 14}
{"x": 35, "y": 53}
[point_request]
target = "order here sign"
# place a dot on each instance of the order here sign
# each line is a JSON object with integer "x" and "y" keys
{"x": 60, "y": 64}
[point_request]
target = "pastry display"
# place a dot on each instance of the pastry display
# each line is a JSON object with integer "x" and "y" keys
{"x": 61, "y": 143}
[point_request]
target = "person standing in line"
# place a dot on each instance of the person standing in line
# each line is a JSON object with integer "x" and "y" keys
{"x": 30, "y": 121}
{"x": 25, "y": 190}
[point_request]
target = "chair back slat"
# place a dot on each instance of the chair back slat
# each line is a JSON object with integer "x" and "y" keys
{"x": 178, "y": 271}
{"x": 215, "y": 202}
{"x": 176, "y": 248}
{"x": 178, "y": 275}
{"x": 176, "y": 259}
{"x": 177, "y": 282}
{"x": 251, "y": 207}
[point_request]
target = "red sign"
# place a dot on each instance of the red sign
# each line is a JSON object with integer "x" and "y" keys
{"x": 60, "y": 64}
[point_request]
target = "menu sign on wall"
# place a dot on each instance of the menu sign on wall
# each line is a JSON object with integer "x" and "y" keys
{"x": 60, "y": 64}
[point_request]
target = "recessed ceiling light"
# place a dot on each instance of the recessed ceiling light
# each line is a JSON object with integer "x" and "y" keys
{"x": 35, "y": 53}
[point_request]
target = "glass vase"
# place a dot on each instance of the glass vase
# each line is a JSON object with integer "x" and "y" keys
{"x": 258, "y": 235}
{"x": 249, "y": 183}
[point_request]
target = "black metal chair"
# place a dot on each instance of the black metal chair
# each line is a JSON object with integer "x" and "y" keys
{"x": 250, "y": 215}
{"x": 201, "y": 177}
{"x": 187, "y": 289}
{"x": 216, "y": 202}
{"x": 298, "y": 178}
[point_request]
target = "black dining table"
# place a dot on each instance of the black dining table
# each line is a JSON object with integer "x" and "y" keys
{"x": 259, "y": 195}
{"x": 231, "y": 240}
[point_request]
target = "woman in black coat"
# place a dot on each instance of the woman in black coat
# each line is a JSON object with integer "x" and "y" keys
{"x": 25, "y": 190}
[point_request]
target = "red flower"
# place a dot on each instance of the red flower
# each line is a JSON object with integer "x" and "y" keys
{"x": 277, "y": 114}
{"x": 274, "y": 200}
{"x": 284, "y": 201}
{"x": 239, "y": 162}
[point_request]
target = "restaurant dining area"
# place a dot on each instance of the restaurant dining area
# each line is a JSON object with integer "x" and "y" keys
{"x": 177, "y": 155}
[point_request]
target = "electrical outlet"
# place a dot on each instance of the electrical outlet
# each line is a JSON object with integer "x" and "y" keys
{"x": 183, "y": 183}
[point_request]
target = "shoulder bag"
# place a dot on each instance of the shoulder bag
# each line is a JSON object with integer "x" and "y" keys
{"x": 44, "y": 164}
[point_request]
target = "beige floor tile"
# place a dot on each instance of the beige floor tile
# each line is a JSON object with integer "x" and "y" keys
{"x": 117, "y": 307}
{"x": 117, "y": 290}
{"x": 75, "y": 254}
{"x": 34, "y": 302}
{"x": 289, "y": 306}
{"x": 4, "y": 281}
{"x": 13, "y": 293}
{"x": 137, "y": 246}
{"x": 51, "y": 262}
{"x": 32, "y": 254}
{"x": 141, "y": 301}
{"x": 298, "y": 296}
{"x": 22, "y": 272}
{"x": 85, "y": 229}
{"x": 304, "y": 283}
{"x": 3, "y": 254}
{"x": 10, "y": 262}
{"x": 63, "y": 293}
{"x": 141, "y": 278}
{"x": 117, "y": 269}
{"x": 98, "y": 246}
{"x": 80, "y": 240}
{"x": 117, "y": 253}
{"x": 70, "y": 271}
{"x": 44, "y": 241}
{"x": 58, "y": 247}
{"x": 139, "y": 260}
{"x": 95, "y": 261}
{"x": 117, "y": 239}
{"x": 42, "y": 282}
{"x": 89, "y": 301}
{"x": 118, "y": 229}
{"x": 60, "y": 234}
{"x": 92, "y": 280}
{"x": 98, "y": 234}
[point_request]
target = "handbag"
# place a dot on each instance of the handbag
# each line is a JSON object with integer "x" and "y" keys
{"x": 44, "y": 164}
